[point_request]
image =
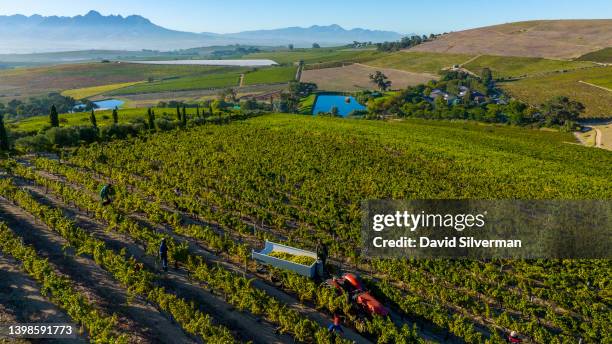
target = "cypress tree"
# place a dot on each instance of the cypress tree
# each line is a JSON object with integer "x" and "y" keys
{"x": 151, "y": 116}
{"x": 92, "y": 119}
{"x": 198, "y": 110}
{"x": 178, "y": 112}
{"x": 115, "y": 116}
{"x": 210, "y": 109}
{"x": 184, "y": 119}
{"x": 53, "y": 117}
{"x": 4, "y": 144}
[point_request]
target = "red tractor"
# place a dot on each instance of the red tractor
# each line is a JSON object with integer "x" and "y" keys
{"x": 350, "y": 284}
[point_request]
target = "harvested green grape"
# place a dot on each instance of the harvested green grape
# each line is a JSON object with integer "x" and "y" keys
{"x": 304, "y": 260}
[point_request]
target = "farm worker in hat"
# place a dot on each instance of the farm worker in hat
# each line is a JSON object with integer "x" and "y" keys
{"x": 105, "y": 193}
{"x": 335, "y": 325}
{"x": 163, "y": 254}
{"x": 322, "y": 252}
{"x": 514, "y": 338}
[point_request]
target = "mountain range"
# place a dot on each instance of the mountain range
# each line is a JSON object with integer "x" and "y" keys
{"x": 23, "y": 34}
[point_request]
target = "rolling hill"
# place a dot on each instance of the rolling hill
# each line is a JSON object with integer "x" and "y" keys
{"x": 563, "y": 39}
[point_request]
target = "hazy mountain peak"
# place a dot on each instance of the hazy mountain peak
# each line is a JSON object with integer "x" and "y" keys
{"x": 93, "y": 30}
{"x": 93, "y": 14}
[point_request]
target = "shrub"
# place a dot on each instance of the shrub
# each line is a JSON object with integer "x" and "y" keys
{"x": 63, "y": 136}
{"x": 30, "y": 144}
{"x": 121, "y": 131}
{"x": 87, "y": 134}
{"x": 163, "y": 124}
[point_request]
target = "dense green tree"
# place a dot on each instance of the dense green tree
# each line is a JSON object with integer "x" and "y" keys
{"x": 316, "y": 46}
{"x": 290, "y": 46}
{"x": 115, "y": 116}
{"x": 198, "y": 110}
{"x": 441, "y": 105}
{"x": 560, "y": 110}
{"x": 493, "y": 113}
{"x": 301, "y": 89}
{"x": 467, "y": 97}
{"x": 54, "y": 117}
{"x": 515, "y": 111}
{"x": 184, "y": 117}
{"x": 178, "y": 112}
{"x": 151, "y": 118}
{"x": 405, "y": 42}
{"x": 452, "y": 87}
{"x": 4, "y": 144}
{"x": 38, "y": 106}
{"x": 334, "y": 111}
{"x": 487, "y": 76}
{"x": 249, "y": 104}
{"x": 92, "y": 119}
{"x": 381, "y": 80}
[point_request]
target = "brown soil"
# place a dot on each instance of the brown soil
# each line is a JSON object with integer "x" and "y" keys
{"x": 357, "y": 77}
{"x": 245, "y": 325}
{"x": 21, "y": 302}
{"x": 199, "y": 249}
{"x": 543, "y": 38}
{"x": 136, "y": 317}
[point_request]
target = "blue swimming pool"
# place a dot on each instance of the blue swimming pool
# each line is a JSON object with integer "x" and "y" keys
{"x": 345, "y": 104}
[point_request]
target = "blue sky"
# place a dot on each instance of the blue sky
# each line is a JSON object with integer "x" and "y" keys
{"x": 405, "y": 16}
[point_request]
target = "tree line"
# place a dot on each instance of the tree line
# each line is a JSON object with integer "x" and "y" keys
{"x": 405, "y": 42}
{"x": 53, "y": 136}
{"x": 458, "y": 95}
{"x": 37, "y": 106}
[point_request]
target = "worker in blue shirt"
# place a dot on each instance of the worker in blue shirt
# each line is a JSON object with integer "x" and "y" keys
{"x": 105, "y": 194}
{"x": 335, "y": 325}
{"x": 163, "y": 254}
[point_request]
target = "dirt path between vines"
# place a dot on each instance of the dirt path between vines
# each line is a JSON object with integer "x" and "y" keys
{"x": 427, "y": 330}
{"x": 244, "y": 325}
{"x": 199, "y": 249}
{"x": 598, "y": 138}
{"x": 134, "y": 316}
{"x": 21, "y": 300}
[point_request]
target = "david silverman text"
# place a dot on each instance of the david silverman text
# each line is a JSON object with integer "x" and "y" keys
{"x": 425, "y": 242}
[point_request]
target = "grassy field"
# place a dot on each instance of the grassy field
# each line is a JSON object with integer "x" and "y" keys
{"x": 270, "y": 75}
{"x": 603, "y": 56}
{"x": 26, "y": 82}
{"x": 513, "y": 67}
{"x": 86, "y": 92}
{"x": 311, "y": 56}
{"x": 356, "y": 77}
{"x": 536, "y": 90}
{"x": 603, "y": 80}
{"x": 418, "y": 62}
{"x": 103, "y": 118}
{"x": 213, "y": 80}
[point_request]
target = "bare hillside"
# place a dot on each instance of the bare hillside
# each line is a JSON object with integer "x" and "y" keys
{"x": 543, "y": 38}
